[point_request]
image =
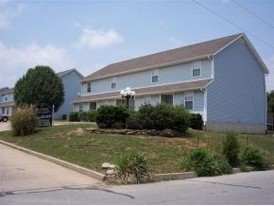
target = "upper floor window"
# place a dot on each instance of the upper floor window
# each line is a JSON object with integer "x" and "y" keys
{"x": 113, "y": 83}
{"x": 155, "y": 75}
{"x": 196, "y": 69}
{"x": 89, "y": 87}
{"x": 189, "y": 96}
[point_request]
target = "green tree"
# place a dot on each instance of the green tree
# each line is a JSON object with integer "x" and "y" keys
{"x": 39, "y": 85}
{"x": 270, "y": 101}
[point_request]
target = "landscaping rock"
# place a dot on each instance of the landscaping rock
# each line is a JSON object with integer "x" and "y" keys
{"x": 106, "y": 165}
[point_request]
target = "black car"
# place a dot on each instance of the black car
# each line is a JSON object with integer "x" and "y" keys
{"x": 4, "y": 118}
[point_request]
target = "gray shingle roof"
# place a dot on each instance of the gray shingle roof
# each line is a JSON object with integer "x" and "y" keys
{"x": 169, "y": 57}
{"x": 147, "y": 91}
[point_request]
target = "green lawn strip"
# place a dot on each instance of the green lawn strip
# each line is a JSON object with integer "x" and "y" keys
{"x": 74, "y": 144}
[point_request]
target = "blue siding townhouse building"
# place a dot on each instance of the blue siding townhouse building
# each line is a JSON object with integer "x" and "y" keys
{"x": 72, "y": 85}
{"x": 222, "y": 79}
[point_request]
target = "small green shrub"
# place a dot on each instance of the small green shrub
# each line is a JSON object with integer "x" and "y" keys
{"x": 231, "y": 149}
{"x": 73, "y": 117}
{"x": 180, "y": 120}
{"x": 205, "y": 163}
{"x": 82, "y": 116}
{"x": 91, "y": 115}
{"x": 133, "y": 122}
{"x": 254, "y": 157}
{"x": 163, "y": 116}
{"x": 111, "y": 116}
{"x": 196, "y": 121}
{"x": 133, "y": 168}
{"x": 23, "y": 122}
{"x": 145, "y": 115}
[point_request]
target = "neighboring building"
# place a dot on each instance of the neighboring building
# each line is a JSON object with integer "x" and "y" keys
{"x": 222, "y": 79}
{"x": 7, "y": 105}
{"x": 72, "y": 85}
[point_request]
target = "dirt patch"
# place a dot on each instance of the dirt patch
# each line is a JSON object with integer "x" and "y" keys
{"x": 77, "y": 132}
{"x": 4, "y": 126}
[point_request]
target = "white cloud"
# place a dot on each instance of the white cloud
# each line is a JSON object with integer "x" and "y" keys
{"x": 15, "y": 61}
{"x": 8, "y": 13}
{"x": 270, "y": 76}
{"x": 98, "y": 38}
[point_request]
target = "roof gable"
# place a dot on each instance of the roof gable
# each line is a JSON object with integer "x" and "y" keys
{"x": 63, "y": 73}
{"x": 169, "y": 57}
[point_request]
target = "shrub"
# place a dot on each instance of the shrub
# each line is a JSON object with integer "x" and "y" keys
{"x": 205, "y": 163}
{"x": 133, "y": 168}
{"x": 231, "y": 149}
{"x": 23, "y": 122}
{"x": 254, "y": 157}
{"x": 132, "y": 121}
{"x": 163, "y": 116}
{"x": 91, "y": 115}
{"x": 180, "y": 121}
{"x": 196, "y": 121}
{"x": 82, "y": 116}
{"x": 111, "y": 116}
{"x": 73, "y": 117}
{"x": 145, "y": 115}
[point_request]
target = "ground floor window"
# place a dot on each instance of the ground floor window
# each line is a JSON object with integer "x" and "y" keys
{"x": 92, "y": 106}
{"x": 80, "y": 107}
{"x": 123, "y": 102}
{"x": 189, "y": 96}
{"x": 167, "y": 98}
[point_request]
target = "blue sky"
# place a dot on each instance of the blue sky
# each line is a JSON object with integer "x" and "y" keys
{"x": 88, "y": 35}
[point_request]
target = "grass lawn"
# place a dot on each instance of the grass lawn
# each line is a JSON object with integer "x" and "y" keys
{"x": 72, "y": 143}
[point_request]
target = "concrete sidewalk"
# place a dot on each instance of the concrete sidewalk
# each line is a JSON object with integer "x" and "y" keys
{"x": 20, "y": 171}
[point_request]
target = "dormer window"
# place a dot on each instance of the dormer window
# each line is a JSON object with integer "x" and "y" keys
{"x": 196, "y": 69}
{"x": 155, "y": 75}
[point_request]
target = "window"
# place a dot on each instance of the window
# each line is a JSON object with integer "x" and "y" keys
{"x": 147, "y": 100}
{"x": 189, "y": 96}
{"x": 89, "y": 87}
{"x": 92, "y": 106}
{"x": 3, "y": 110}
{"x": 113, "y": 83}
{"x": 167, "y": 99}
{"x": 80, "y": 107}
{"x": 196, "y": 69}
{"x": 155, "y": 75}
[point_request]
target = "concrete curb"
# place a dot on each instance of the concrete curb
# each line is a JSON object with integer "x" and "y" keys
{"x": 174, "y": 176}
{"x": 82, "y": 170}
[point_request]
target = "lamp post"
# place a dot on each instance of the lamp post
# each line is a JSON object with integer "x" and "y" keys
{"x": 127, "y": 94}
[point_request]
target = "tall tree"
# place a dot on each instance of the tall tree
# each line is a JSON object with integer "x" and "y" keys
{"x": 40, "y": 85}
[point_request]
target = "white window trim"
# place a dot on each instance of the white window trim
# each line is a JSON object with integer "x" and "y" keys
{"x": 155, "y": 73}
{"x": 195, "y": 66}
{"x": 114, "y": 81}
{"x": 185, "y": 94}
{"x": 88, "y": 87}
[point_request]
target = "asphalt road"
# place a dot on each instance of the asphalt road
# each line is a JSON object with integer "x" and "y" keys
{"x": 29, "y": 180}
{"x": 21, "y": 173}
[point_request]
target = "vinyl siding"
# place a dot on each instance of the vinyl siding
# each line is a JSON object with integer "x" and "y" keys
{"x": 167, "y": 75}
{"x": 237, "y": 94}
{"x": 72, "y": 87}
